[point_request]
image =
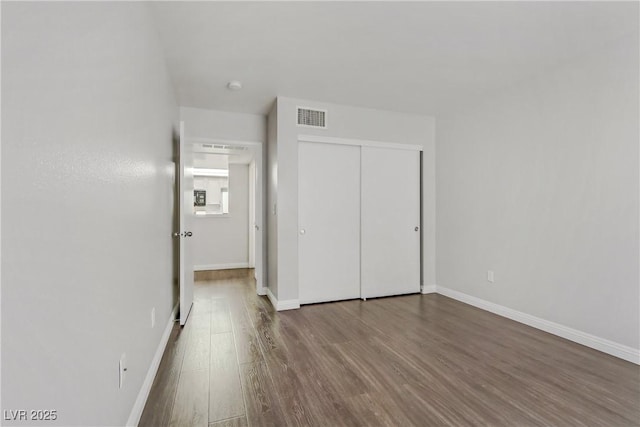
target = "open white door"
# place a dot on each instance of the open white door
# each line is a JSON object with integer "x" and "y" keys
{"x": 258, "y": 212}
{"x": 252, "y": 216}
{"x": 185, "y": 182}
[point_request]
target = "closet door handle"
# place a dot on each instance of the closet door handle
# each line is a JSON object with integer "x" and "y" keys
{"x": 417, "y": 228}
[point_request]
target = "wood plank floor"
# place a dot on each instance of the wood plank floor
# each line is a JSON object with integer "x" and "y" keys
{"x": 417, "y": 360}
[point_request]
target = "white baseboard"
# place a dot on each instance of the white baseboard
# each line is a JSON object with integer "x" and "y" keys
{"x": 262, "y": 292}
{"x": 291, "y": 304}
{"x": 141, "y": 400}
{"x": 229, "y": 266}
{"x": 613, "y": 348}
{"x": 431, "y": 289}
{"x": 272, "y": 298}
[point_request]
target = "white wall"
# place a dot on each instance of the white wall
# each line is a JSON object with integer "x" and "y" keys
{"x": 540, "y": 184}
{"x": 87, "y": 197}
{"x": 345, "y": 122}
{"x": 223, "y": 125}
{"x": 223, "y": 241}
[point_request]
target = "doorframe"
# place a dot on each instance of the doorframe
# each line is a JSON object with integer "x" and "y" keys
{"x": 259, "y": 203}
{"x": 252, "y": 213}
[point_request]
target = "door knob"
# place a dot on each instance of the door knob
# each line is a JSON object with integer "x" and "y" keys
{"x": 302, "y": 231}
{"x": 176, "y": 234}
{"x": 417, "y": 228}
{"x": 188, "y": 234}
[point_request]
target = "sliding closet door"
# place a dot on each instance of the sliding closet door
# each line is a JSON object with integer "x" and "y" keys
{"x": 328, "y": 222}
{"x": 390, "y": 222}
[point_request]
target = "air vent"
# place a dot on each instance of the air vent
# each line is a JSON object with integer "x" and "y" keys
{"x": 226, "y": 147}
{"x": 222, "y": 148}
{"x": 312, "y": 118}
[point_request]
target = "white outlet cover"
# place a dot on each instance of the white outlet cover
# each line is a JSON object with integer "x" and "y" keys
{"x": 490, "y": 276}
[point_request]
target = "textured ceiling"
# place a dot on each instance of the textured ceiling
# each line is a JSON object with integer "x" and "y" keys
{"x": 423, "y": 57}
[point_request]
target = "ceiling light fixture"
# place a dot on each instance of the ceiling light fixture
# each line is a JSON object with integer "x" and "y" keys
{"x": 210, "y": 172}
{"x": 234, "y": 85}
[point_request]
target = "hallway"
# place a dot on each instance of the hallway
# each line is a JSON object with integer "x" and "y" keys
{"x": 409, "y": 360}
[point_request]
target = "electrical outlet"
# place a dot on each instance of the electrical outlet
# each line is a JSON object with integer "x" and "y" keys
{"x": 122, "y": 369}
{"x": 153, "y": 317}
{"x": 490, "y": 276}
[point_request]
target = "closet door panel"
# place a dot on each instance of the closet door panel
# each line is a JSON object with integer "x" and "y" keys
{"x": 328, "y": 222}
{"x": 390, "y": 258}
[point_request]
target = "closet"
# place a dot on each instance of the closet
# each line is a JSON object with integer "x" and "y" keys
{"x": 358, "y": 221}
{"x": 328, "y": 222}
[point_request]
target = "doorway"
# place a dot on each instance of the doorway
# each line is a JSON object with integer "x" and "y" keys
{"x": 228, "y": 206}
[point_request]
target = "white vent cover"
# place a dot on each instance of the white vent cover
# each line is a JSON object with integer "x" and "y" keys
{"x": 231, "y": 147}
{"x": 312, "y": 118}
{"x": 225, "y": 147}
